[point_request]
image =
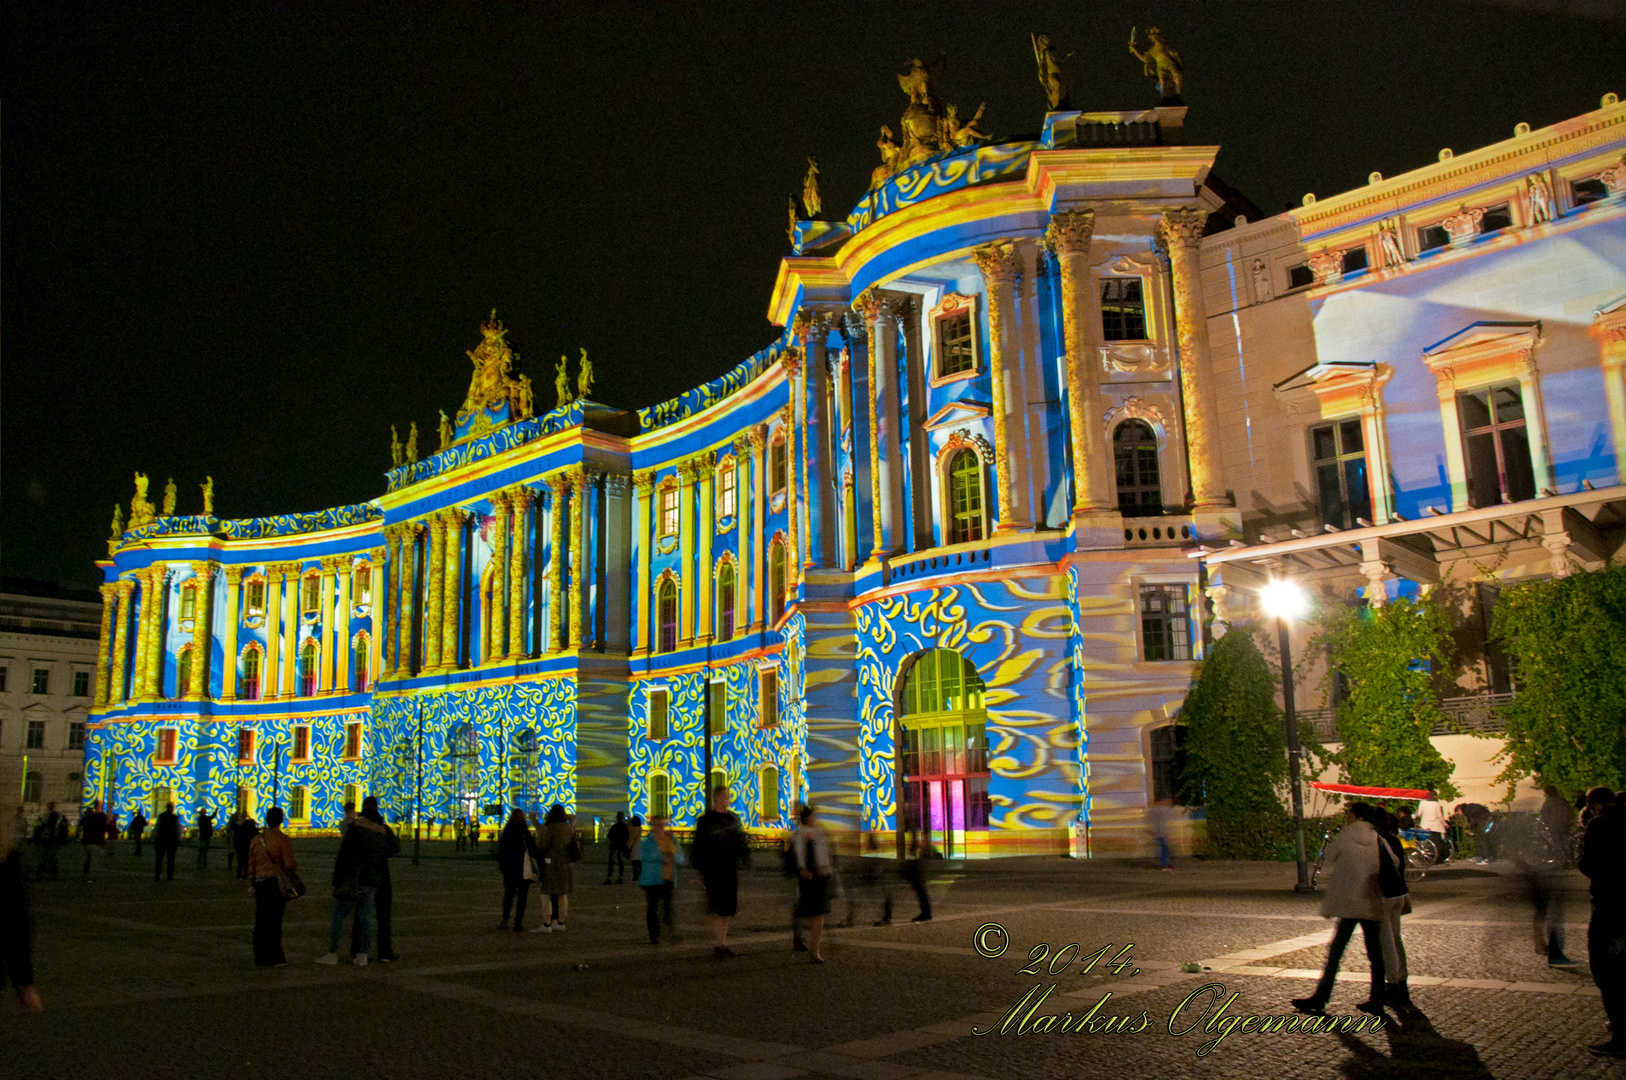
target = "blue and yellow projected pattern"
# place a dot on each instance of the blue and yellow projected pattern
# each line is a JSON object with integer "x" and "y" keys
{"x": 706, "y": 395}
{"x": 936, "y": 175}
{"x": 259, "y": 528}
{"x": 1016, "y": 634}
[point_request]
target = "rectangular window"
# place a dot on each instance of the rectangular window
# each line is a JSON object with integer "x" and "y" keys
{"x": 245, "y": 799}
{"x": 36, "y": 735}
{"x": 352, "y": 741}
{"x": 352, "y": 796}
{"x": 954, "y": 346}
{"x": 669, "y": 510}
{"x": 162, "y": 796}
{"x": 1299, "y": 276}
{"x": 779, "y": 465}
{"x": 768, "y": 781}
{"x": 254, "y": 596}
{"x": 310, "y": 594}
{"x": 1164, "y": 622}
{"x": 660, "y": 795}
{"x": 1354, "y": 260}
{"x": 42, "y": 680}
{"x": 33, "y": 788}
{"x": 1338, "y": 461}
{"x": 768, "y": 697}
{"x": 717, "y": 708}
{"x": 245, "y": 746}
{"x": 1496, "y": 217}
{"x": 726, "y": 493}
{"x": 1587, "y": 191}
{"x": 81, "y": 684}
{"x": 657, "y": 715}
{"x": 189, "y": 602}
{"x": 3, "y": 679}
{"x": 166, "y": 746}
{"x": 1168, "y": 761}
{"x": 1496, "y": 446}
{"x": 299, "y": 804}
{"x": 302, "y": 742}
{"x": 76, "y": 735}
{"x": 1123, "y": 309}
{"x": 1430, "y": 237}
{"x": 364, "y": 585}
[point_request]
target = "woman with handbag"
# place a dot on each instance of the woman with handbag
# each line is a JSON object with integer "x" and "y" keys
{"x": 1354, "y": 899}
{"x": 1396, "y": 902}
{"x": 515, "y": 850}
{"x": 556, "y": 840}
{"x": 272, "y": 869}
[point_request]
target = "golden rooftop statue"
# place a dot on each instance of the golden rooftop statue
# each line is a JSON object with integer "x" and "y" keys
{"x": 208, "y": 488}
{"x": 140, "y": 507}
{"x": 791, "y": 231}
{"x": 1051, "y": 76}
{"x": 561, "y": 383}
{"x": 118, "y": 528}
{"x": 887, "y": 144}
{"x": 492, "y": 382}
{"x": 169, "y": 498}
{"x": 810, "y": 189}
{"x": 928, "y": 126}
{"x": 412, "y": 443}
{"x": 396, "y": 456}
{"x": 1161, "y": 62}
{"x": 447, "y": 433}
{"x": 584, "y": 381}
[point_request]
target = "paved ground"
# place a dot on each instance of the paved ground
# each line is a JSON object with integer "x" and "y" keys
{"x": 145, "y": 980}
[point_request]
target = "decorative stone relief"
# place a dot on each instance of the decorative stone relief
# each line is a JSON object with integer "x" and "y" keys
{"x": 1464, "y": 224}
{"x": 1327, "y": 266}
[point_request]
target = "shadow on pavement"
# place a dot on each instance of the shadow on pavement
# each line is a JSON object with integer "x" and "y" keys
{"x": 1417, "y": 1051}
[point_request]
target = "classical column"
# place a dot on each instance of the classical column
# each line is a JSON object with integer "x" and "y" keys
{"x": 496, "y": 590}
{"x": 644, "y": 483}
{"x": 375, "y": 609}
{"x": 706, "y": 466}
{"x": 793, "y": 536}
{"x": 228, "y": 674}
{"x": 119, "y": 690}
{"x": 386, "y": 621}
{"x": 687, "y": 471}
{"x": 1069, "y": 237}
{"x": 409, "y": 595}
{"x": 558, "y": 602}
{"x": 580, "y": 557}
{"x": 743, "y": 503}
{"x": 269, "y": 677}
{"x": 868, "y": 306}
{"x": 451, "y": 611}
{"x": 326, "y": 662}
{"x": 814, "y": 329}
{"x": 520, "y": 498}
{"x": 158, "y": 643}
{"x": 341, "y": 629}
{"x": 1609, "y": 328}
{"x": 143, "y": 631}
{"x": 1181, "y": 232}
{"x": 999, "y": 264}
{"x": 294, "y": 580}
{"x": 104, "y": 663}
{"x": 202, "y": 637}
{"x": 759, "y": 541}
{"x": 434, "y": 590}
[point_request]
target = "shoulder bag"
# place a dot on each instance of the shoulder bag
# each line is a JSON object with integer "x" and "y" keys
{"x": 289, "y": 883}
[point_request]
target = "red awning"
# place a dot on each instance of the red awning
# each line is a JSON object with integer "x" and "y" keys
{"x": 1371, "y": 792}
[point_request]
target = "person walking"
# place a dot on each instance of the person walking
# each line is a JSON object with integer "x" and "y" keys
{"x": 515, "y": 850}
{"x": 657, "y": 859}
{"x": 718, "y": 852}
{"x": 49, "y": 828}
{"x": 241, "y": 838}
{"x": 556, "y": 840}
{"x": 357, "y": 870}
{"x": 1431, "y": 819}
{"x": 1603, "y": 861}
{"x": 619, "y": 847}
{"x": 166, "y": 841}
{"x": 1396, "y": 902}
{"x": 1546, "y": 878}
{"x": 635, "y": 837}
{"x": 16, "y": 927}
{"x": 229, "y": 837}
{"x": 1158, "y": 816}
{"x": 1354, "y": 898}
{"x": 815, "y": 868}
{"x": 268, "y": 852}
{"x": 206, "y": 834}
{"x": 138, "y": 829}
{"x": 459, "y": 827}
{"x": 383, "y": 894}
{"x": 93, "y": 835}
{"x": 914, "y": 873}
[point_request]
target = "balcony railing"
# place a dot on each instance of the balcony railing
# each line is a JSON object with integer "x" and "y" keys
{"x": 1472, "y": 713}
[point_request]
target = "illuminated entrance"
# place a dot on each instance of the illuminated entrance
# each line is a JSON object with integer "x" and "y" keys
{"x": 943, "y": 755}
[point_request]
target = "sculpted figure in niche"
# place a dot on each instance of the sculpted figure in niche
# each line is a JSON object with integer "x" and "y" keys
{"x": 561, "y": 383}
{"x": 1541, "y": 199}
{"x": 1389, "y": 246}
{"x": 396, "y": 456}
{"x": 208, "y": 489}
{"x": 524, "y": 398}
{"x": 169, "y": 498}
{"x": 584, "y": 380}
{"x": 1160, "y": 62}
{"x": 1050, "y": 73}
{"x": 412, "y": 443}
{"x": 887, "y": 144}
{"x": 1262, "y": 290}
{"x": 140, "y": 507}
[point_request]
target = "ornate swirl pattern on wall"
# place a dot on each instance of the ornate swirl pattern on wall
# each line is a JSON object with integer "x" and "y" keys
{"x": 706, "y": 395}
{"x": 497, "y": 442}
{"x": 937, "y": 175}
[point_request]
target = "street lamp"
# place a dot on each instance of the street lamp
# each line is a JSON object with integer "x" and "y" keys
{"x": 1284, "y": 601}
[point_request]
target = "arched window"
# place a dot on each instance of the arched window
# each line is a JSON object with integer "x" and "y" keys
{"x": 362, "y": 656}
{"x": 776, "y": 581}
{"x": 183, "y": 671}
{"x": 660, "y": 795}
{"x": 666, "y": 609}
{"x": 1134, "y": 449}
{"x": 942, "y": 751}
{"x": 248, "y": 687}
{"x": 768, "y": 781}
{"x": 307, "y": 668}
{"x": 719, "y": 778}
{"x": 725, "y": 602}
{"x": 966, "y": 522}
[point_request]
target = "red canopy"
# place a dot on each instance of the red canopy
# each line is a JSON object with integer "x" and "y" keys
{"x": 1371, "y": 792}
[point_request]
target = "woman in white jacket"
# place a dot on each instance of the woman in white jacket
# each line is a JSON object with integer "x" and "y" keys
{"x": 1354, "y": 898}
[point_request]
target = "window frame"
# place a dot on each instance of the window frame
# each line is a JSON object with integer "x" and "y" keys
{"x": 76, "y": 734}
{"x": 667, "y": 592}
{"x": 34, "y": 735}
{"x": 1495, "y": 431}
{"x": 244, "y": 682}
{"x": 1338, "y": 462}
{"x": 1109, "y": 282}
{"x": 778, "y": 579}
{"x": 1173, "y": 765}
{"x": 40, "y": 684}
{"x": 295, "y": 752}
{"x": 1156, "y": 446}
{"x": 173, "y": 737}
{"x": 355, "y": 741}
{"x": 299, "y": 803}
{"x": 361, "y": 584}
{"x": 952, "y": 453}
{"x": 184, "y": 660}
{"x": 246, "y": 745}
{"x": 668, "y": 515}
{"x": 765, "y": 786}
{"x": 78, "y": 678}
{"x": 767, "y": 698}
{"x": 254, "y": 584}
{"x": 310, "y": 661}
{"x": 361, "y": 662}
{"x": 728, "y": 489}
{"x": 951, "y": 308}
{"x": 659, "y": 780}
{"x": 1183, "y": 618}
{"x": 779, "y": 462}
{"x": 657, "y": 702}
{"x": 310, "y": 594}
{"x": 727, "y": 587}
{"x": 188, "y": 607}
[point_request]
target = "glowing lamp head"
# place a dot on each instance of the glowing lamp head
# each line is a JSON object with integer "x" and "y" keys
{"x": 1284, "y": 599}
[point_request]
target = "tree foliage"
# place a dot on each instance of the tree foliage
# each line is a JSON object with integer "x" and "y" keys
{"x": 1387, "y": 656}
{"x": 1567, "y": 640}
{"x": 1236, "y": 748}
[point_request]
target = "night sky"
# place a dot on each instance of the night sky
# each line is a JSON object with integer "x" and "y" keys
{"x": 244, "y": 239}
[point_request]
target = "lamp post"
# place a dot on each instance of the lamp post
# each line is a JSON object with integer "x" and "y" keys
{"x": 1284, "y": 601}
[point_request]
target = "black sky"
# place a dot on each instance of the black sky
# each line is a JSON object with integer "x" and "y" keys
{"x": 244, "y": 239}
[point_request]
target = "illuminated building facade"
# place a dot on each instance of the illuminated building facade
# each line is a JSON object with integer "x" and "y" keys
{"x": 943, "y": 555}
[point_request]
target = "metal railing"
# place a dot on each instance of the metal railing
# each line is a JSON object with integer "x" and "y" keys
{"x": 1470, "y": 713}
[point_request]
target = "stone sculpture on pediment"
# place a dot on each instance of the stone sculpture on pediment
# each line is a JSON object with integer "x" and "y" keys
{"x": 1262, "y": 288}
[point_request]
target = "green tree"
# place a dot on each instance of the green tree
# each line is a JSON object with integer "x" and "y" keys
{"x": 1567, "y": 640}
{"x": 1236, "y": 749}
{"x": 1388, "y": 655}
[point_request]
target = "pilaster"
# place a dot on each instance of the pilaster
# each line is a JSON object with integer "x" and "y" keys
{"x": 202, "y": 640}
{"x": 409, "y": 593}
{"x": 344, "y": 568}
{"x": 580, "y": 561}
{"x": 118, "y": 686}
{"x": 496, "y": 617}
{"x": 388, "y": 620}
{"x": 434, "y": 591}
{"x": 686, "y": 477}
{"x": 104, "y": 664}
{"x": 271, "y": 677}
{"x": 451, "y": 629}
{"x": 758, "y": 440}
{"x": 294, "y": 574}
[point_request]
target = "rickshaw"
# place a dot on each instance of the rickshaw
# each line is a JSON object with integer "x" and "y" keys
{"x": 1420, "y": 852}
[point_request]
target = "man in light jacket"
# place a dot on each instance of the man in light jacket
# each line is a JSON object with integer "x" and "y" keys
{"x": 1353, "y": 897}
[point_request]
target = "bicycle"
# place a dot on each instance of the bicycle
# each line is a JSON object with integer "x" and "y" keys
{"x": 1321, "y": 857}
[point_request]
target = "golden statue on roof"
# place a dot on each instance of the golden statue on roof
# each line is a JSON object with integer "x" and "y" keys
{"x": 141, "y": 511}
{"x": 1160, "y": 61}
{"x": 492, "y": 384}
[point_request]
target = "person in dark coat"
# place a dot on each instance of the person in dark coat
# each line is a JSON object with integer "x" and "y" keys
{"x": 514, "y": 849}
{"x": 138, "y": 829}
{"x": 53, "y": 824}
{"x": 273, "y": 852}
{"x": 555, "y": 840}
{"x": 166, "y": 841}
{"x": 1354, "y": 897}
{"x": 241, "y": 837}
{"x": 361, "y": 864}
{"x": 1603, "y": 860}
{"x": 616, "y": 867}
{"x": 718, "y": 852}
{"x": 16, "y": 930}
{"x": 206, "y": 835}
{"x": 383, "y": 895}
{"x": 93, "y": 834}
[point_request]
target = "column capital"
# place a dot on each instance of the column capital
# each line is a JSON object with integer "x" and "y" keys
{"x": 456, "y": 516}
{"x": 757, "y": 438}
{"x": 500, "y": 500}
{"x": 559, "y": 483}
{"x": 617, "y": 483}
{"x": 522, "y": 497}
{"x": 234, "y": 574}
{"x": 332, "y": 564}
{"x": 791, "y": 361}
{"x": 644, "y": 481}
{"x": 203, "y": 568}
{"x": 741, "y": 445}
{"x": 787, "y": 414}
{"x": 688, "y": 469}
{"x": 579, "y": 477}
{"x": 998, "y": 262}
{"x": 1069, "y": 231}
{"x": 1181, "y": 227}
{"x": 377, "y": 554}
{"x": 706, "y": 461}
{"x": 124, "y": 586}
{"x": 868, "y": 304}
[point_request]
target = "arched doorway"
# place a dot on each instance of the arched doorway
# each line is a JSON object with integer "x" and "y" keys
{"x": 942, "y": 756}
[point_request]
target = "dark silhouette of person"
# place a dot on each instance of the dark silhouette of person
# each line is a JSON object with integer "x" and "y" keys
{"x": 166, "y": 841}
